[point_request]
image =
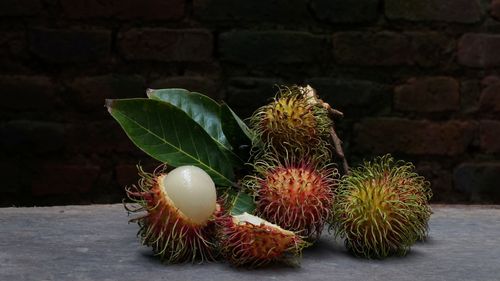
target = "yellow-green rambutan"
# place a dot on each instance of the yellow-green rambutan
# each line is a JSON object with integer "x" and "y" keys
{"x": 297, "y": 195}
{"x": 296, "y": 121}
{"x": 178, "y": 213}
{"x": 382, "y": 208}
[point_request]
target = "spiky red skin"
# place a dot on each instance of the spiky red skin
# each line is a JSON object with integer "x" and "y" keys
{"x": 297, "y": 198}
{"x": 251, "y": 245}
{"x": 172, "y": 235}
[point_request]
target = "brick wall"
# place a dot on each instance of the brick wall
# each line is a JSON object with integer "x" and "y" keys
{"x": 418, "y": 78}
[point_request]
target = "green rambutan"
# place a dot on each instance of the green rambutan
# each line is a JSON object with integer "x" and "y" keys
{"x": 382, "y": 208}
{"x": 179, "y": 220}
{"x": 297, "y": 195}
{"x": 247, "y": 240}
{"x": 296, "y": 121}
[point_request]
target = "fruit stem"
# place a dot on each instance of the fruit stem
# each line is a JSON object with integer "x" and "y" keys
{"x": 338, "y": 149}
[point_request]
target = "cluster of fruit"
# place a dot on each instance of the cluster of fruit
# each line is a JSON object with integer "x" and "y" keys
{"x": 379, "y": 209}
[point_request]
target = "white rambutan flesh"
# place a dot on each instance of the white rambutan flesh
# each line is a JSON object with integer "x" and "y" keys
{"x": 180, "y": 208}
{"x": 256, "y": 221}
{"x": 192, "y": 191}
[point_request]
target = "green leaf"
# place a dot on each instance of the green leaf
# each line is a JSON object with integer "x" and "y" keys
{"x": 236, "y": 131}
{"x": 241, "y": 202}
{"x": 201, "y": 108}
{"x": 169, "y": 135}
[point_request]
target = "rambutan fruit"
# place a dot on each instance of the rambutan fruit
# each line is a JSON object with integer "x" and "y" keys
{"x": 382, "y": 208}
{"x": 247, "y": 240}
{"x": 179, "y": 220}
{"x": 296, "y": 121}
{"x": 297, "y": 196}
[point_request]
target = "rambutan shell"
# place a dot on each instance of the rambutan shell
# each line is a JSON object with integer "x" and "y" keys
{"x": 255, "y": 242}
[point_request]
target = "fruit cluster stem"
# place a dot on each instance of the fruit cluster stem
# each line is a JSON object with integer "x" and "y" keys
{"x": 337, "y": 143}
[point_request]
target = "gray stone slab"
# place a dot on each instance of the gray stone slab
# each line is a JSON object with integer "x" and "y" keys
{"x": 95, "y": 243}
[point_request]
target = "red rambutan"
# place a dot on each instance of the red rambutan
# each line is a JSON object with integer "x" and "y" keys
{"x": 295, "y": 196}
{"x": 179, "y": 220}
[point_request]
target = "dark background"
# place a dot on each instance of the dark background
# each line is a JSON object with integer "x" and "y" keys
{"x": 418, "y": 78}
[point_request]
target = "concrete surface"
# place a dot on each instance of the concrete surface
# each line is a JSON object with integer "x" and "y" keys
{"x": 80, "y": 243}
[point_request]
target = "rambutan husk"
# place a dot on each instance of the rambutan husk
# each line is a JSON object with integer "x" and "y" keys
{"x": 173, "y": 236}
{"x": 382, "y": 208}
{"x": 255, "y": 244}
{"x": 295, "y": 122}
{"x": 297, "y": 195}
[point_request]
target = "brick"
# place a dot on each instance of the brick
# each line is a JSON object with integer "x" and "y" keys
{"x": 470, "y": 92}
{"x": 441, "y": 181}
{"x": 127, "y": 174}
{"x": 390, "y": 48}
{"x": 27, "y": 92}
{"x": 281, "y": 11}
{"x": 489, "y": 102}
{"x": 89, "y": 93}
{"x": 345, "y": 11}
{"x": 495, "y": 9}
{"x": 459, "y": 11}
{"x": 27, "y": 137}
{"x": 15, "y": 174}
{"x": 391, "y": 135}
{"x": 352, "y": 97}
{"x": 13, "y": 51}
{"x": 479, "y": 50}
{"x": 491, "y": 25}
{"x": 490, "y": 80}
{"x": 490, "y": 136}
{"x": 246, "y": 94}
{"x": 168, "y": 45}
{"x": 103, "y": 137}
{"x": 431, "y": 94}
{"x": 198, "y": 84}
{"x": 124, "y": 9}
{"x": 62, "y": 178}
{"x": 479, "y": 181}
{"x": 13, "y": 44}
{"x": 264, "y": 47}
{"x": 70, "y": 46}
{"x": 20, "y": 7}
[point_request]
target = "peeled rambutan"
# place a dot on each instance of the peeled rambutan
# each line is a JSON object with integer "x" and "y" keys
{"x": 247, "y": 240}
{"x": 297, "y": 196}
{"x": 382, "y": 208}
{"x": 179, "y": 220}
{"x": 296, "y": 120}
